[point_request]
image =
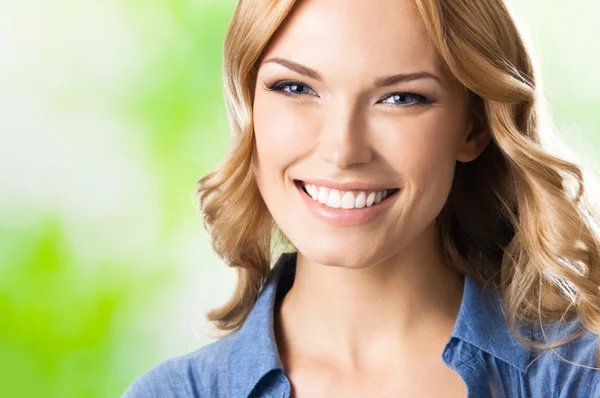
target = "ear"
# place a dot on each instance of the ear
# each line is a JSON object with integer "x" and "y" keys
{"x": 474, "y": 144}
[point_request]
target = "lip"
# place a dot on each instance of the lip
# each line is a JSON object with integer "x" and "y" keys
{"x": 345, "y": 217}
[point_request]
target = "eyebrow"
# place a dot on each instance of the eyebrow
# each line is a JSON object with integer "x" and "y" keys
{"x": 378, "y": 82}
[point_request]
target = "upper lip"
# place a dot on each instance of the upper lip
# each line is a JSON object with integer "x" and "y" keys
{"x": 346, "y": 185}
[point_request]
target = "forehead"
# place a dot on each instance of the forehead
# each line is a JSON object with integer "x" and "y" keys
{"x": 368, "y": 37}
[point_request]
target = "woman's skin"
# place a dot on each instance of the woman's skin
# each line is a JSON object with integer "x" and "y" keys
{"x": 373, "y": 304}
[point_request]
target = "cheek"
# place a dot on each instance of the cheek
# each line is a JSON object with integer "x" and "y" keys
{"x": 422, "y": 149}
{"x": 283, "y": 132}
{"x": 283, "y": 136}
{"x": 419, "y": 146}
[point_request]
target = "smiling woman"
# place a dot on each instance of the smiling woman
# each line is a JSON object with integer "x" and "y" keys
{"x": 399, "y": 148}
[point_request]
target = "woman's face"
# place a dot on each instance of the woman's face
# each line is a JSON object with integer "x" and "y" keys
{"x": 352, "y": 99}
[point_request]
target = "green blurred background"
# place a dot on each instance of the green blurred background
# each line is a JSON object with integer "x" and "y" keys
{"x": 109, "y": 113}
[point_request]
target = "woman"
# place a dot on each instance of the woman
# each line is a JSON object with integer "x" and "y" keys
{"x": 440, "y": 250}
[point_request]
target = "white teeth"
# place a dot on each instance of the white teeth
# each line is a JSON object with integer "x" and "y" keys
{"x": 348, "y": 200}
{"x": 314, "y": 192}
{"x": 309, "y": 189}
{"x": 361, "y": 200}
{"x": 370, "y": 199}
{"x": 323, "y": 194}
{"x": 378, "y": 197}
{"x": 334, "y": 199}
{"x": 345, "y": 200}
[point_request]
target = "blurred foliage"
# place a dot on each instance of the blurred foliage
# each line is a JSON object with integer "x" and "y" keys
{"x": 71, "y": 323}
{"x": 178, "y": 98}
{"x": 60, "y": 325}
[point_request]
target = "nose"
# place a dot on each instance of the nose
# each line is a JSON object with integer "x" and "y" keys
{"x": 343, "y": 140}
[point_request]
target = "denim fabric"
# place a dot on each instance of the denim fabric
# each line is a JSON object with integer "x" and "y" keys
{"x": 481, "y": 349}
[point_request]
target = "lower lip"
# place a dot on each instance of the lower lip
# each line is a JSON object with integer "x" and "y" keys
{"x": 344, "y": 217}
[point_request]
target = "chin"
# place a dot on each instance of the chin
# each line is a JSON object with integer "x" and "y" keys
{"x": 339, "y": 255}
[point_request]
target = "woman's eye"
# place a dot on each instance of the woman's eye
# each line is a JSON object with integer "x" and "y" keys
{"x": 405, "y": 99}
{"x": 291, "y": 88}
{"x": 297, "y": 88}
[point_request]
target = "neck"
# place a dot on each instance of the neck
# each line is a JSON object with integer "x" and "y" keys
{"x": 366, "y": 317}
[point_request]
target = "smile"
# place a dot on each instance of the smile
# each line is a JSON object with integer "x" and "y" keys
{"x": 344, "y": 205}
{"x": 351, "y": 199}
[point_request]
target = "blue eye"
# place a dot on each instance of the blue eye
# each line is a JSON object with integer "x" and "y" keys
{"x": 406, "y": 99}
{"x": 291, "y": 88}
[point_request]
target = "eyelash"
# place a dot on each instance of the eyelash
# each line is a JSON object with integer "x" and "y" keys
{"x": 279, "y": 85}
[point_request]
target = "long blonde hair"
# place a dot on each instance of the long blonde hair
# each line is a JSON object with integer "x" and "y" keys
{"x": 533, "y": 234}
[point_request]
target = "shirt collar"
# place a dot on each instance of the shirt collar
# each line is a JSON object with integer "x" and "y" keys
{"x": 480, "y": 322}
{"x": 254, "y": 353}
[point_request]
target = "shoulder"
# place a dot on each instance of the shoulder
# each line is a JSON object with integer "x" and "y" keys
{"x": 202, "y": 373}
{"x": 571, "y": 367}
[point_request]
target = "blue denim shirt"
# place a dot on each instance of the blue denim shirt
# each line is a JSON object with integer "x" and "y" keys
{"x": 481, "y": 349}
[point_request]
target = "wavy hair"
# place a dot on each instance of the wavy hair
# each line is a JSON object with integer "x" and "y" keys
{"x": 517, "y": 218}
